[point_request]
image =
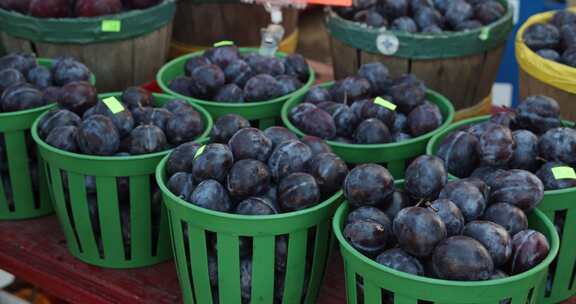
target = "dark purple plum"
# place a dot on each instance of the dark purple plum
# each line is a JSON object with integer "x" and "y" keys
{"x": 181, "y": 184}
{"x": 513, "y": 219}
{"x": 370, "y": 214}
{"x": 538, "y": 114}
{"x": 250, "y": 143}
{"x": 400, "y": 260}
{"x": 288, "y": 84}
{"x": 374, "y": 110}
{"x": 317, "y": 94}
{"x": 549, "y": 54}
{"x": 146, "y": 139}
{"x": 238, "y": 72}
{"x": 480, "y": 128}
{"x": 441, "y": 5}
{"x": 262, "y": 87}
{"x": 458, "y": 11}
{"x": 400, "y": 124}
{"x": 462, "y": 258}
{"x": 487, "y": 174}
{"x": 256, "y": 206}
{"x": 567, "y": 36}
{"x": 177, "y": 105}
{"x": 206, "y": 80}
{"x": 496, "y": 146}
{"x": 226, "y": 126}
{"x": 526, "y": 153}
{"x": 550, "y": 182}
{"x": 371, "y": 18}
{"x": 295, "y": 65}
{"x": 541, "y": 36}
{"x": 265, "y": 65}
{"x": 480, "y": 184}
{"x": 372, "y": 131}
{"x": 210, "y": 194}
{"x": 181, "y": 85}
{"x": 396, "y": 202}
{"x": 418, "y": 230}
{"x": 450, "y": 215}
{"x": 432, "y": 29}
{"x": 78, "y": 96}
{"x": 137, "y": 97}
{"x": 407, "y": 93}
{"x": 296, "y": 114}
{"x": 489, "y": 11}
{"x": 316, "y": 122}
{"x": 184, "y": 126}
{"x": 404, "y": 24}
{"x": 40, "y": 77}
{"x": 298, "y": 191}
{"x": 195, "y": 62}
{"x": 459, "y": 152}
{"x": 245, "y": 280}
{"x": 495, "y": 239}
{"x": 68, "y": 69}
{"x": 506, "y": 119}
{"x": 559, "y": 145}
{"x": 368, "y": 185}
{"x": 519, "y": 188}
{"x": 393, "y": 8}
{"x": 467, "y": 197}
{"x": 529, "y": 248}
{"x": 57, "y": 118}
{"x": 278, "y": 135}
{"x": 222, "y": 56}
{"x": 316, "y": 144}
{"x": 229, "y": 93}
{"x": 21, "y": 97}
{"x": 378, "y": 75}
{"x": 181, "y": 159}
{"x": 400, "y": 136}
{"x": 20, "y": 61}
{"x": 64, "y": 138}
{"x": 10, "y": 77}
{"x": 247, "y": 178}
{"x": 289, "y": 157}
{"x": 424, "y": 119}
{"x": 97, "y": 135}
{"x": 214, "y": 163}
{"x": 123, "y": 120}
{"x": 425, "y": 177}
{"x": 350, "y": 89}
{"x": 428, "y": 16}
{"x": 51, "y": 94}
{"x": 367, "y": 236}
{"x": 156, "y": 116}
{"x": 344, "y": 118}
{"x": 329, "y": 170}
{"x": 563, "y": 17}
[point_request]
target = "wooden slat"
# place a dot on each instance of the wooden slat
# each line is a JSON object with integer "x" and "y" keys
{"x": 489, "y": 73}
{"x": 149, "y": 55}
{"x": 13, "y": 44}
{"x": 397, "y": 66}
{"x": 198, "y": 24}
{"x": 345, "y": 59}
{"x": 531, "y": 86}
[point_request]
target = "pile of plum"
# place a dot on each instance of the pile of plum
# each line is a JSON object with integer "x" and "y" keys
{"x": 84, "y": 124}
{"x": 222, "y": 74}
{"x": 74, "y": 8}
{"x": 555, "y": 40}
{"x": 531, "y": 138}
{"x": 252, "y": 172}
{"x": 347, "y": 112}
{"x": 464, "y": 230}
{"x": 26, "y": 85}
{"x": 425, "y": 16}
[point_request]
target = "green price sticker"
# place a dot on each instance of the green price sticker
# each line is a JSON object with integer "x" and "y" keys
{"x": 385, "y": 103}
{"x": 564, "y": 173}
{"x": 223, "y": 43}
{"x": 111, "y": 26}
{"x": 484, "y": 34}
{"x": 200, "y": 151}
{"x": 113, "y": 104}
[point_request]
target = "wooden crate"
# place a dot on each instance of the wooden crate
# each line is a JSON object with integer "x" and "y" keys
{"x": 531, "y": 86}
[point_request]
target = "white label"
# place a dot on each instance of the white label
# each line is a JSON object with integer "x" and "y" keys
{"x": 387, "y": 43}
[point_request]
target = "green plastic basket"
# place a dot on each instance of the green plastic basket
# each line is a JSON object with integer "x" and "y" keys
{"x": 309, "y": 240}
{"x": 559, "y": 206}
{"x": 106, "y": 246}
{"x": 394, "y": 156}
{"x": 263, "y": 114}
{"x": 25, "y": 194}
{"x": 406, "y": 288}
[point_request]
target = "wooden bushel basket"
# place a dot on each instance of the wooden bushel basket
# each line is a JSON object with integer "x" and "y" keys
{"x": 460, "y": 65}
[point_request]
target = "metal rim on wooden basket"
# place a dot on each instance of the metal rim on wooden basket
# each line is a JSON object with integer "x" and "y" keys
{"x": 163, "y": 83}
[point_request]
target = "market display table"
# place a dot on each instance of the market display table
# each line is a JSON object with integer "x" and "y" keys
{"x": 35, "y": 251}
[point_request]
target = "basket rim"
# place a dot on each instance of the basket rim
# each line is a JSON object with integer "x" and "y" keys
{"x": 229, "y": 105}
{"x": 439, "y": 99}
{"x": 453, "y": 127}
{"x": 554, "y": 248}
{"x": 237, "y": 217}
{"x": 44, "y": 145}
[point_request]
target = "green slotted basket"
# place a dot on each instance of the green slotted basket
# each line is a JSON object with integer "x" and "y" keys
{"x": 560, "y": 207}
{"x": 309, "y": 244}
{"x": 102, "y": 242}
{"x": 262, "y": 114}
{"x": 367, "y": 281}
{"x": 394, "y": 156}
{"x": 23, "y": 190}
